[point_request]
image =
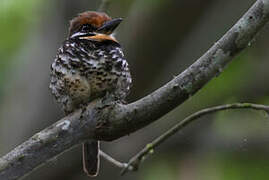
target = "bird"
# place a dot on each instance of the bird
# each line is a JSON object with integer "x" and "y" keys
{"x": 90, "y": 64}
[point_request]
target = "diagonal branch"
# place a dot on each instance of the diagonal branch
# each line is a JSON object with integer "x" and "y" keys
{"x": 125, "y": 119}
{"x": 109, "y": 122}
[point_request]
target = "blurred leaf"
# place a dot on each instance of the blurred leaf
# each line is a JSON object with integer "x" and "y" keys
{"x": 244, "y": 166}
{"x": 15, "y": 20}
{"x": 230, "y": 166}
{"x": 235, "y": 124}
{"x": 16, "y": 23}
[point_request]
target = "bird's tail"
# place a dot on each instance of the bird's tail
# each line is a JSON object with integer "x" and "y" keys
{"x": 90, "y": 153}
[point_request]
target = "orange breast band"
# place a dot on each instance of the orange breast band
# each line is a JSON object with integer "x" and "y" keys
{"x": 100, "y": 37}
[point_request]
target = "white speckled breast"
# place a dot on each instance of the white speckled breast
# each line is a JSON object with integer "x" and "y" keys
{"x": 84, "y": 70}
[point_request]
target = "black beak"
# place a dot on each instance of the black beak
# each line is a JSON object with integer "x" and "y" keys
{"x": 109, "y": 26}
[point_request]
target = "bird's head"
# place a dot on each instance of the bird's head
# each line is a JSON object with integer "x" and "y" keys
{"x": 91, "y": 25}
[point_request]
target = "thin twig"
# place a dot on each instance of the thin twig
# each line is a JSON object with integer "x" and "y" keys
{"x": 114, "y": 161}
{"x": 104, "y": 5}
{"x": 135, "y": 160}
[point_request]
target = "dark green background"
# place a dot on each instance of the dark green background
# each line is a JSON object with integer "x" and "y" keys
{"x": 160, "y": 39}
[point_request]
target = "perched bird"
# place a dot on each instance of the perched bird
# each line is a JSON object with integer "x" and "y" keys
{"x": 90, "y": 64}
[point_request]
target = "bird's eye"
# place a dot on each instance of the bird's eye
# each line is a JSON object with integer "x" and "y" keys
{"x": 85, "y": 27}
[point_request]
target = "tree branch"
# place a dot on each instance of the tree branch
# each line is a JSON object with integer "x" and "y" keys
{"x": 109, "y": 122}
{"x": 135, "y": 161}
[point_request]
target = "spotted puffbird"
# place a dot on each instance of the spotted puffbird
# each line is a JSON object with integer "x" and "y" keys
{"x": 89, "y": 64}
